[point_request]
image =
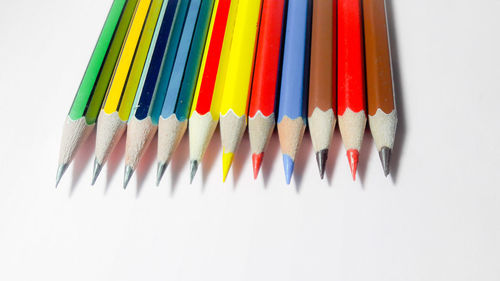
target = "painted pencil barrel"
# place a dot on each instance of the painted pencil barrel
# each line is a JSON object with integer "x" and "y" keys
{"x": 89, "y": 79}
{"x": 109, "y": 65}
{"x": 146, "y": 92}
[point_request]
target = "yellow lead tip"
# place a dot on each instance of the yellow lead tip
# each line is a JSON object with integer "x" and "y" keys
{"x": 227, "y": 160}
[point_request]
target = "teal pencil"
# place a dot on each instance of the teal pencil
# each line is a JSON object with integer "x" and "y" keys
{"x": 173, "y": 120}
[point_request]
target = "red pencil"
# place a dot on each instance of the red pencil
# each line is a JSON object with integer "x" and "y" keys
{"x": 261, "y": 113}
{"x": 351, "y": 83}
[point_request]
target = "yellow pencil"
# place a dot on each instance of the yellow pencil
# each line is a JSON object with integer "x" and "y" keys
{"x": 205, "y": 109}
{"x": 234, "y": 103}
{"x": 120, "y": 95}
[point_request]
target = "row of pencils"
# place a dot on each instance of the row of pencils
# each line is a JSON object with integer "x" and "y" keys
{"x": 177, "y": 65}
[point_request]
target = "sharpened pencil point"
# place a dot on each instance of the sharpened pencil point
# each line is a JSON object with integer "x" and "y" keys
{"x": 256, "y": 162}
{"x": 128, "y": 174}
{"x": 227, "y": 160}
{"x": 97, "y": 171}
{"x": 353, "y": 156}
{"x": 321, "y": 157}
{"x": 60, "y": 172}
{"x": 160, "y": 170}
{"x": 288, "y": 164}
{"x": 385, "y": 158}
{"x": 194, "y": 168}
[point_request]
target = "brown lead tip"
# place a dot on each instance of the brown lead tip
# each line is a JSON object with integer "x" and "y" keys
{"x": 385, "y": 158}
{"x": 321, "y": 157}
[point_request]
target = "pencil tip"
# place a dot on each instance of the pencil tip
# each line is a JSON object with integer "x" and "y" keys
{"x": 160, "y": 170}
{"x": 353, "y": 156}
{"x": 288, "y": 164}
{"x": 227, "y": 160}
{"x": 321, "y": 157}
{"x": 385, "y": 158}
{"x": 256, "y": 162}
{"x": 97, "y": 171}
{"x": 194, "y": 168}
{"x": 128, "y": 174}
{"x": 60, "y": 172}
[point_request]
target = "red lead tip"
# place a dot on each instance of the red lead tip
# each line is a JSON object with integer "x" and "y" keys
{"x": 353, "y": 156}
{"x": 256, "y": 161}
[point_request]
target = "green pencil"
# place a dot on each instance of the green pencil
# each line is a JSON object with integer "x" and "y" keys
{"x": 81, "y": 118}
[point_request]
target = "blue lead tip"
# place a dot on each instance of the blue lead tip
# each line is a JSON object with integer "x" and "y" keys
{"x": 288, "y": 164}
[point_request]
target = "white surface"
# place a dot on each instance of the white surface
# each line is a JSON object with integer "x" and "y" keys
{"x": 437, "y": 219}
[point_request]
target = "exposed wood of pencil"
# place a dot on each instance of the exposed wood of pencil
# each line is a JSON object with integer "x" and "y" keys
{"x": 380, "y": 91}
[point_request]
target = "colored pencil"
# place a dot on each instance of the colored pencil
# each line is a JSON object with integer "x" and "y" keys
{"x": 172, "y": 128}
{"x": 234, "y": 103}
{"x": 141, "y": 129}
{"x": 206, "y": 103}
{"x": 121, "y": 91}
{"x": 261, "y": 117}
{"x": 322, "y": 96}
{"x": 294, "y": 82}
{"x": 382, "y": 114}
{"x": 77, "y": 126}
{"x": 351, "y": 84}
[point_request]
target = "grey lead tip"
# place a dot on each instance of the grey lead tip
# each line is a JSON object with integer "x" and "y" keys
{"x": 194, "y": 169}
{"x": 321, "y": 157}
{"x": 159, "y": 172}
{"x": 128, "y": 174}
{"x": 60, "y": 172}
{"x": 97, "y": 171}
{"x": 385, "y": 158}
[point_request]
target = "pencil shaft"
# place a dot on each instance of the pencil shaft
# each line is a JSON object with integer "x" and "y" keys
{"x": 321, "y": 92}
{"x": 188, "y": 85}
{"x": 294, "y": 79}
{"x": 181, "y": 58}
{"x": 108, "y": 67}
{"x": 146, "y": 91}
{"x": 168, "y": 60}
{"x": 205, "y": 99}
{"x": 94, "y": 66}
{"x": 114, "y": 93}
{"x": 136, "y": 70}
{"x": 267, "y": 61}
{"x": 380, "y": 92}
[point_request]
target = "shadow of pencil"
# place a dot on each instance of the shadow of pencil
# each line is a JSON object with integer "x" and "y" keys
{"x": 241, "y": 157}
{"x": 399, "y": 93}
{"x": 364, "y": 156}
{"x": 208, "y": 160}
{"x": 270, "y": 157}
{"x": 114, "y": 161}
{"x": 333, "y": 154}
{"x": 145, "y": 164}
{"x": 82, "y": 160}
{"x": 302, "y": 160}
{"x": 178, "y": 162}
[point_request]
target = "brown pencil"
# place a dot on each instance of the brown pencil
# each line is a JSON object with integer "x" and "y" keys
{"x": 382, "y": 115}
{"x": 322, "y": 93}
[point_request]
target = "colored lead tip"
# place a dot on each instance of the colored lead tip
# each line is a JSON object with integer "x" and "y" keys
{"x": 353, "y": 156}
{"x": 385, "y": 158}
{"x": 288, "y": 164}
{"x": 227, "y": 161}
{"x": 321, "y": 157}
{"x": 194, "y": 168}
{"x": 256, "y": 162}
{"x": 97, "y": 171}
{"x": 60, "y": 172}
{"x": 160, "y": 170}
{"x": 128, "y": 174}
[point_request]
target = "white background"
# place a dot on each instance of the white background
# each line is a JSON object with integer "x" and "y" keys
{"x": 437, "y": 218}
